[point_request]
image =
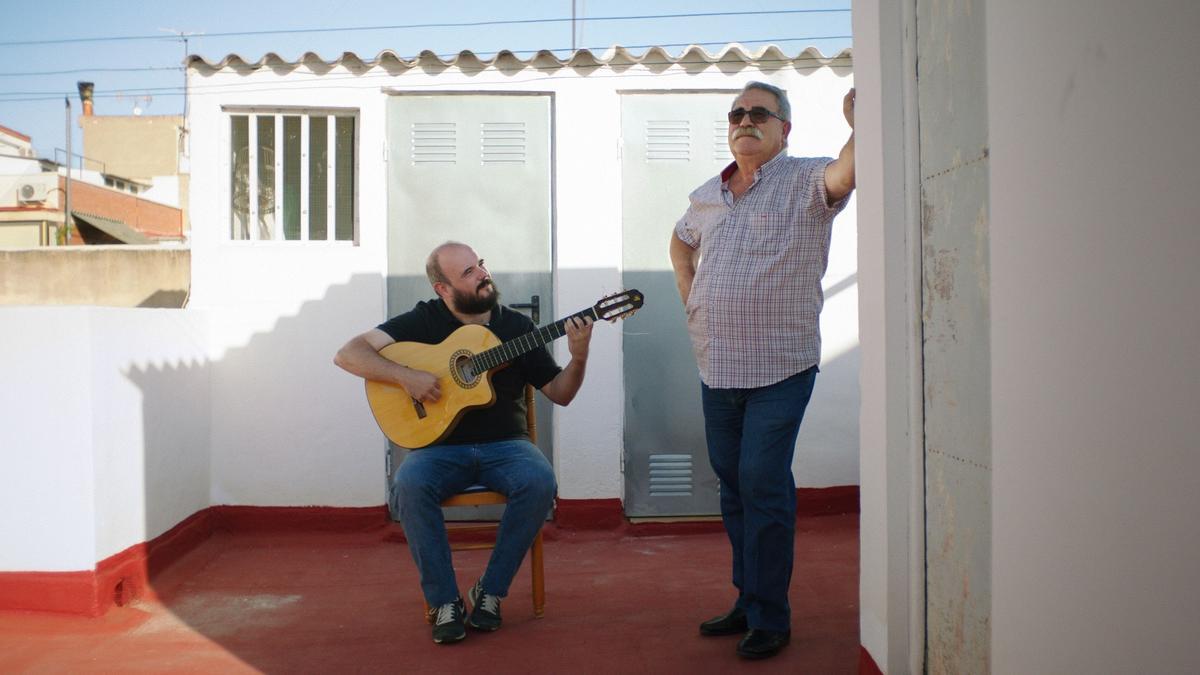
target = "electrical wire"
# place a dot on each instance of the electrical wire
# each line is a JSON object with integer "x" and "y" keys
{"x": 327, "y": 82}
{"x": 462, "y": 24}
{"x": 176, "y": 90}
{"x": 92, "y": 70}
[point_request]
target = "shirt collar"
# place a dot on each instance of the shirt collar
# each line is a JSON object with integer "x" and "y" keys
{"x": 765, "y": 169}
{"x": 444, "y": 310}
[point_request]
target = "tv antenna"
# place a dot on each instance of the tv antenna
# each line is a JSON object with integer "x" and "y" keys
{"x": 140, "y": 103}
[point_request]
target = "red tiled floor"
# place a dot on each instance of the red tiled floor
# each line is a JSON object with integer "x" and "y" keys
{"x": 333, "y": 603}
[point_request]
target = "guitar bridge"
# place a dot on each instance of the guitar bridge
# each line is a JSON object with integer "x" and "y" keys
{"x": 420, "y": 407}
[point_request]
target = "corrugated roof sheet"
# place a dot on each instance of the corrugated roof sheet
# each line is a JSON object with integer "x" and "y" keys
{"x": 112, "y": 227}
{"x": 616, "y": 57}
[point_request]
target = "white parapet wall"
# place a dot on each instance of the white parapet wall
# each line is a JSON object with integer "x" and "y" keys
{"x": 105, "y": 433}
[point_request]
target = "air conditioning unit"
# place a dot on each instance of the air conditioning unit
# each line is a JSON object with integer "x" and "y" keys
{"x": 32, "y": 192}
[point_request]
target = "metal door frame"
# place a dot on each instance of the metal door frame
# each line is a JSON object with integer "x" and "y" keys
{"x": 485, "y": 512}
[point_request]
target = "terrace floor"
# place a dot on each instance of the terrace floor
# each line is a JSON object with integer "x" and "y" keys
{"x": 620, "y": 601}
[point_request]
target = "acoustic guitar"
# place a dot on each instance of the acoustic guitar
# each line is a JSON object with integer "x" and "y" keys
{"x": 463, "y": 364}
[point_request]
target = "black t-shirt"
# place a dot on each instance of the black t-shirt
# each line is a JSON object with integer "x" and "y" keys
{"x": 430, "y": 322}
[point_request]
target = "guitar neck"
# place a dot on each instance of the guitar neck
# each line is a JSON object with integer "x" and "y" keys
{"x": 507, "y": 351}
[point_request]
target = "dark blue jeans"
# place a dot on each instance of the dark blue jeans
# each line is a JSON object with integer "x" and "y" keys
{"x": 751, "y": 436}
{"x": 516, "y": 469}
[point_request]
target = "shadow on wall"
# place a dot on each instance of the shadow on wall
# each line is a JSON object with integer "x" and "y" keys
{"x": 268, "y": 422}
{"x": 165, "y": 299}
{"x": 175, "y": 455}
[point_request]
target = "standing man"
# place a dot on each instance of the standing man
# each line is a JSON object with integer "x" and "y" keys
{"x": 748, "y": 256}
{"x": 489, "y": 446}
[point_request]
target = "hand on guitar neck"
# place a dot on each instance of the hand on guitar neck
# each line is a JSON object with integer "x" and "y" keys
{"x": 579, "y": 336}
{"x": 565, "y": 385}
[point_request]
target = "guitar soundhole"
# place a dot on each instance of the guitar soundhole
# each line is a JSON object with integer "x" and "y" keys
{"x": 463, "y": 370}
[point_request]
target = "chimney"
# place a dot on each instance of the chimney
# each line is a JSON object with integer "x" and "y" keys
{"x": 85, "y": 95}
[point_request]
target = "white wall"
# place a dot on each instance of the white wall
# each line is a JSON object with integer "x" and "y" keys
{"x": 284, "y": 459}
{"x": 891, "y": 548}
{"x": 827, "y": 447}
{"x": 47, "y": 511}
{"x": 19, "y": 166}
{"x": 289, "y": 428}
{"x": 164, "y": 190}
{"x": 587, "y": 121}
{"x": 105, "y": 431}
{"x": 150, "y": 388}
{"x": 1095, "y": 239}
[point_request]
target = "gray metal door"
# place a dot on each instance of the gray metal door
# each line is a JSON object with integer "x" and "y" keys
{"x": 473, "y": 168}
{"x": 671, "y": 143}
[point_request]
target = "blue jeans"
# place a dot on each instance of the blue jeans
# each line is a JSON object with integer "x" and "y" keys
{"x": 751, "y": 435}
{"x": 516, "y": 469}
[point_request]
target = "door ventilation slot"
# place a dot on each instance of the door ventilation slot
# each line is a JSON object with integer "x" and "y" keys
{"x": 434, "y": 143}
{"x": 721, "y": 142}
{"x": 670, "y": 475}
{"x": 502, "y": 142}
{"x": 668, "y": 140}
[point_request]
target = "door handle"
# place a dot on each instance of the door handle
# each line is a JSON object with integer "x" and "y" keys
{"x": 534, "y": 306}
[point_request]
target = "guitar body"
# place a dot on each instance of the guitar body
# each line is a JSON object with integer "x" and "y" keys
{"x": 401, "y": 419}
{"x": 463, "y": 364}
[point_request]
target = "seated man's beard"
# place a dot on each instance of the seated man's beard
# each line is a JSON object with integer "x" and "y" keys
{"x": 473, "y": 304}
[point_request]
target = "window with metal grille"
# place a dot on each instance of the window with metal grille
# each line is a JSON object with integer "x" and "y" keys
{"x": 292, "y": 175}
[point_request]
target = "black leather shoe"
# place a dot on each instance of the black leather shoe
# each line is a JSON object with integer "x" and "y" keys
{"x": 733, "y": 623}
{"x": 761, "y": 644}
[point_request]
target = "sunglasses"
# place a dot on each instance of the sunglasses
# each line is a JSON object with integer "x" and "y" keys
{"x": 758, "y": 115}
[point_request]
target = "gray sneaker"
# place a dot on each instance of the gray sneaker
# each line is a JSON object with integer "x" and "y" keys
{"x": 485, "y": 608}
{"x": 448, "y": 625}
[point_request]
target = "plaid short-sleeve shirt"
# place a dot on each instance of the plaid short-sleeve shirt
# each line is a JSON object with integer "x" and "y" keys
{"x": 756, "y": 298}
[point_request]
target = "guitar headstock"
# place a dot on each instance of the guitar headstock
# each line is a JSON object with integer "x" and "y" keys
{"x": 619, "y": 305}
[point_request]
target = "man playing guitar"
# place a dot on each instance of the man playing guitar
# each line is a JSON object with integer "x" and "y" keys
{"x": 487, "y": 446}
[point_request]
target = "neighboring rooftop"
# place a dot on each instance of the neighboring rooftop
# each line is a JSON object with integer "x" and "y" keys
{"x": 14, "y": 143}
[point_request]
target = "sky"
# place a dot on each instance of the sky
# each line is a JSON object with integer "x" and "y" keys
{"x": 133, "y": 50}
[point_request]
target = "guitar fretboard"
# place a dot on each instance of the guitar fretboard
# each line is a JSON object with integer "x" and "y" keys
{"x": 507, "y": 351}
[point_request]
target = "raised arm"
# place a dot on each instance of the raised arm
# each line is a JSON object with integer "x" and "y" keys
{"x": 566, "y": 384}
{"x": 839, "y": 174}
{"x": 360, "y": 356}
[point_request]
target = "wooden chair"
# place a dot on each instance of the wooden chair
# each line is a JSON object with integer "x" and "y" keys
{"x": 479, "y": 495}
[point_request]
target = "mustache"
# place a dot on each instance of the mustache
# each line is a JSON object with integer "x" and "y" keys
{"x": 746, "y": 131}
{"x": 484, "y": 284}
